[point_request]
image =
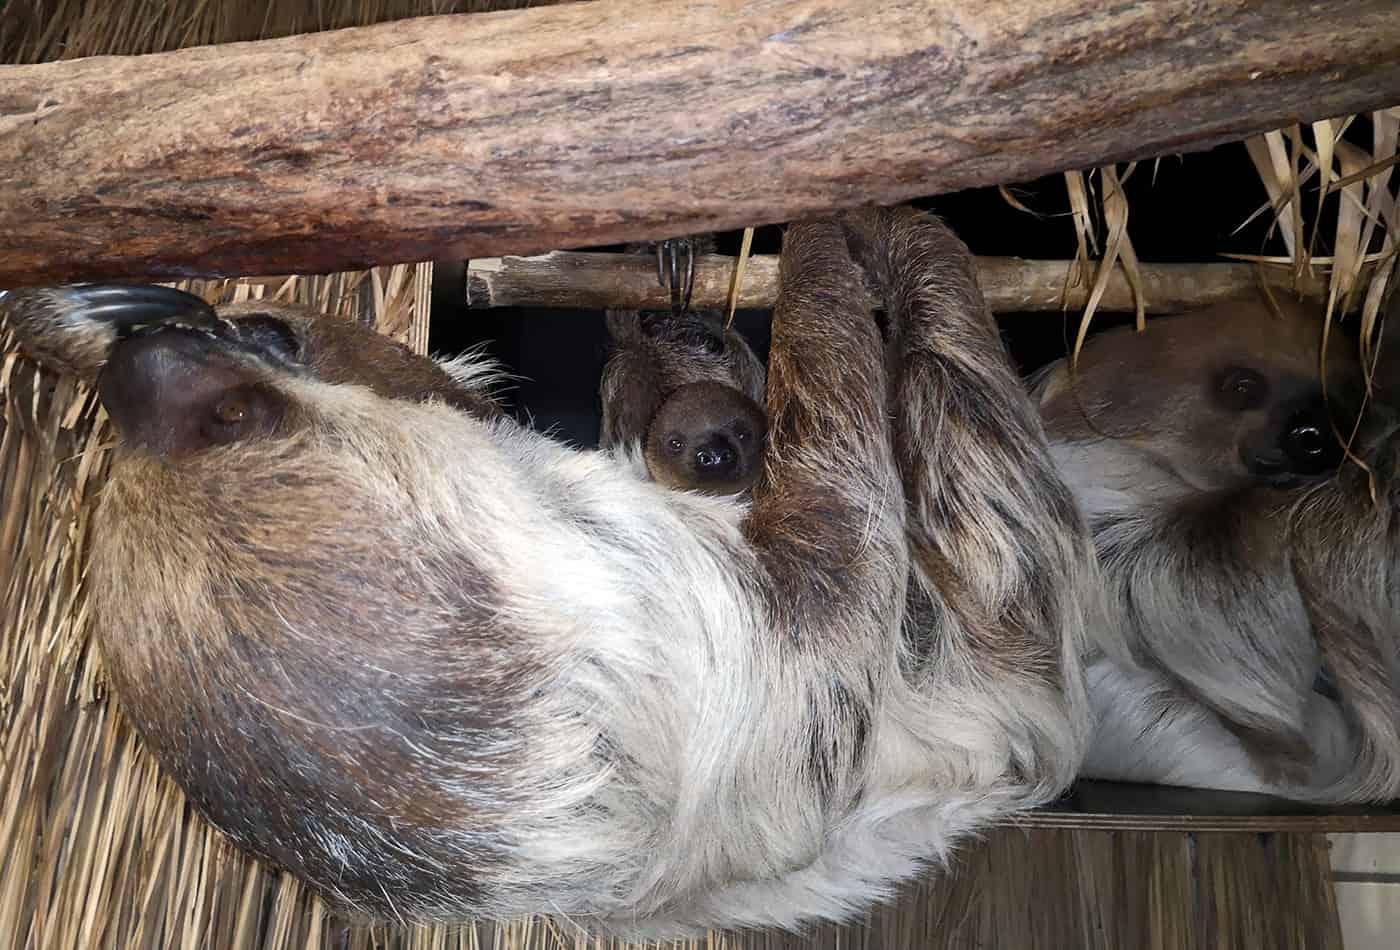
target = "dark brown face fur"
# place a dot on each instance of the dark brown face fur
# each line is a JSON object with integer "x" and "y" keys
{"x": 175, "y": 390}
{"x": 707, "y": 437}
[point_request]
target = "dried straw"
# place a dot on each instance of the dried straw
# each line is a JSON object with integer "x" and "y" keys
{"x": 1347, "y": 185}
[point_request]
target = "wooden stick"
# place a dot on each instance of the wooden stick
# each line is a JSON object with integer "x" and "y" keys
{"x": 1011, "y": 285}
{"x": 597, "y": 123}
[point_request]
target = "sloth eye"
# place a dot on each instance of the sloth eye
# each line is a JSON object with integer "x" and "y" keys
{"x": 742, "y": 434}
{"x": 675, "y": 443}
{"x": 241, "y": 413}
{"x": 1241, "y": 389}
{"x": 231, "y": 411}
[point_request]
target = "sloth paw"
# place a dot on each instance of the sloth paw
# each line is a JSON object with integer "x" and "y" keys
{"x": 71, "y": 329}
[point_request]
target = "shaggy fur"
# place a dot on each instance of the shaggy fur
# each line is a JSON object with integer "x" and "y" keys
{"x": 1251, "y": 641}
{"x": 439, "y": 665}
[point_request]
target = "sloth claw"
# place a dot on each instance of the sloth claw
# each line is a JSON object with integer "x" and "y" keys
{"x": 132, "y": 306}
{"x": 72, "y": 328}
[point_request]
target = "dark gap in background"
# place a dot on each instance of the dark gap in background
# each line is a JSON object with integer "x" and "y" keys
{"x": 1183, "y": 209}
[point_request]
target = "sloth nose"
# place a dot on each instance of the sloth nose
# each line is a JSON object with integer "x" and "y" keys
{"x": 1309, "y": 444}
{"x": 716, "y": 458}
{"x": 154, "y": 384}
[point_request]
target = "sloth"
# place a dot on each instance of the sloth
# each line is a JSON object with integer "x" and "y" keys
{"x": 1250, "y": 641}
{"x": 438, "y": 665}
{"x": 682, "y": 391}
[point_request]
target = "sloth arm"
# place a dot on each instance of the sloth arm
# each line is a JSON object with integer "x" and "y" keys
{"x": 1002, "y": 562}
{"x": 737, "y": 675}
{"x": 1345, "y": 551}
{"x": 826, "y": 520}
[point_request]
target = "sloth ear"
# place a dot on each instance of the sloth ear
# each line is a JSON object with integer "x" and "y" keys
{"x": 176, "y": 392}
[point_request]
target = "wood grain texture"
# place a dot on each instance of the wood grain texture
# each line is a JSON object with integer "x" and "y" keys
{"x": 572, "y": 279}
{"x": 597, "y": 123}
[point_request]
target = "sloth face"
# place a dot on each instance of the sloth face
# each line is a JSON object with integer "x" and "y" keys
{"x": 1285, "y": 428}
{"x": 1217, "y": 398}
{"x": 178, "y": 379}
{"x": 707, "y": 437}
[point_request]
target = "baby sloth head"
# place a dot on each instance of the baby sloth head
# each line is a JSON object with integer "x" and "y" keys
{"x": 686, "y": 389}
{"x": 706, "y": 437}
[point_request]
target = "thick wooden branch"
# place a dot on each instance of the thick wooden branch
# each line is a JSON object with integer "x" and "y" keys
{"x": 595, "y": 123}
{"x": 599, "y": 281}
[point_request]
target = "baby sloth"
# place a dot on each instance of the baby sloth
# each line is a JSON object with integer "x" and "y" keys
{"x": 707, "y": 437}
{"x": 438, "y": 665}
{"x": 683, "y": 390}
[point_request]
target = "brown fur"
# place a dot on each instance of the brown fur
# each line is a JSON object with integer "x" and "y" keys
{"x": 706, "y": 417}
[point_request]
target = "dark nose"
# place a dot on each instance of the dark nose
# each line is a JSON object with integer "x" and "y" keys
{"x": 1309, "y": 443}
{"x": 155, "y": 385}
{"x": 716, "y": 459}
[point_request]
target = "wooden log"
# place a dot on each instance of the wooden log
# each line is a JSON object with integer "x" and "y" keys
{"x": 565, "y": 279}
{"x": 597, "y": 123}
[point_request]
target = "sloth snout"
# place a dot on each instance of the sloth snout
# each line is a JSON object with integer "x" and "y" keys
{"x": 175, "y": 390}
{"x": 717, "y": 457}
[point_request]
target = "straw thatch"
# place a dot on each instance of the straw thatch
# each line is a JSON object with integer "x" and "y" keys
{"x": 1333, "y": 205}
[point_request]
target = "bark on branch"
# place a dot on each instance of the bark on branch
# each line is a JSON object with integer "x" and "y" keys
{"x": 598, "y": 123}
{"x": 599, "y": 281}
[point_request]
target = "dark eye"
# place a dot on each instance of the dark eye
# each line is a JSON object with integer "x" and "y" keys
{"x": 231, "y": 411}
{"x": 1240, "y": 389}
{"x": 240, "y": 413}
{"x": 742, "y": 434}
{"x": 675, "y": 443}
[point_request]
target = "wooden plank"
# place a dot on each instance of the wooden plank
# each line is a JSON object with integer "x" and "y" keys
{"x": 1122, "y": 805}
{"x": 597, "y": 123}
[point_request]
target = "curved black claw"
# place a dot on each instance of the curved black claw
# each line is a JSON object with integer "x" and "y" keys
{"x": 134, "y": 306}
{"x": 675, "y": 270}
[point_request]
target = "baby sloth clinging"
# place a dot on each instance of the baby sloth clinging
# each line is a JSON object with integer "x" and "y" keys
{"x": 682, "y": 390}
{"x": 437, "y": 665}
